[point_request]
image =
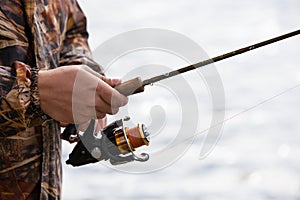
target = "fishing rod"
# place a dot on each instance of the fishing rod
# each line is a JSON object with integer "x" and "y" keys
{"x": 136, "y": 85}
{"x": 116, "y": 142}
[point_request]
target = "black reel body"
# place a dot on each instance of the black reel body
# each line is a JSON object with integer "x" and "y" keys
{"x": 115, "y": 143}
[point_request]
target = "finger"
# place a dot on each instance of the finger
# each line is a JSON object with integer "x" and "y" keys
{"x": 100, "y": 115}
{"x": 82, "y": 127}
{"x": 102, "y": 107}
{"x": 110, "y": 81}
{"x": 101, "y": 123}
{"x": 110, "y": 95}
{"x": 96, "y": 112}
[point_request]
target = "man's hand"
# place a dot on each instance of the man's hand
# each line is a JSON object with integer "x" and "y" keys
{"x": 76, "y": 94}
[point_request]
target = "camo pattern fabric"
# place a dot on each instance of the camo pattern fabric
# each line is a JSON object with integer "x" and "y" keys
{"x": 34, "y": 35}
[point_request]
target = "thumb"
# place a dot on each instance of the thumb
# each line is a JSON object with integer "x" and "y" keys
{"x": 112, "y": 81}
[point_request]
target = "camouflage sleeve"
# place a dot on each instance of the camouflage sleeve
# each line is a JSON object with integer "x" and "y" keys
{"x": 17, "y": 110}
{"x": 75, "y": 49}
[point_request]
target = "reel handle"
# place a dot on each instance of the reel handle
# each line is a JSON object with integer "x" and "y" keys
{"x": 130, "y": 87}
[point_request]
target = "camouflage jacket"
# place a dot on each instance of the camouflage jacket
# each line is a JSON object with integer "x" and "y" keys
{"x": 41, "y": 35}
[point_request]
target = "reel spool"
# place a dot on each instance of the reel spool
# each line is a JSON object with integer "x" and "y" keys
{"x": 129, "y": 139}
{"x": 115, "y": 143}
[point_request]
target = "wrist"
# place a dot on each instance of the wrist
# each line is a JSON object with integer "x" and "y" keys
{"x": 35, "y": 109}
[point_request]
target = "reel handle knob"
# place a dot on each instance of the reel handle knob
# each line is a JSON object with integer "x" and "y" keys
{"x": 130, "y": 87}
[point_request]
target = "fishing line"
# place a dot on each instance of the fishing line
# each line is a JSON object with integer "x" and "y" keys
{"x": 236, "y": 115}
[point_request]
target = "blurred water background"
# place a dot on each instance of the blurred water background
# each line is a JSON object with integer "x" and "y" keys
{"x": 258, "y": 153}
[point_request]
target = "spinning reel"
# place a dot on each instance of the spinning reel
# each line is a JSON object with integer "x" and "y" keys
{"x": 115, "y": 143}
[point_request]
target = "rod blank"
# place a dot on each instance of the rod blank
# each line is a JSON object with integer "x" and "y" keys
{"x": 135, "y": 85}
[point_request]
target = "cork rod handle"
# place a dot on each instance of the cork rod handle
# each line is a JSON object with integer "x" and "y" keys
{"x": 130, "y": 87}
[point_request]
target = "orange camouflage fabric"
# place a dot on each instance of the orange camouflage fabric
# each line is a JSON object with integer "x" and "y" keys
{"x": 34, "y": 35}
